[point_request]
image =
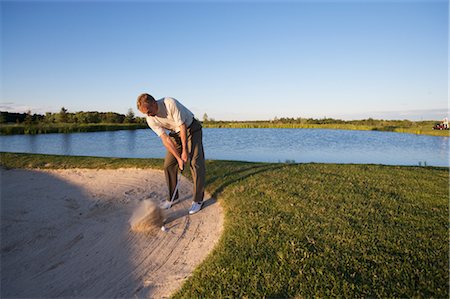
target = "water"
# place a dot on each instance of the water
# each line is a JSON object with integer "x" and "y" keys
{"x": 256, "y": 145}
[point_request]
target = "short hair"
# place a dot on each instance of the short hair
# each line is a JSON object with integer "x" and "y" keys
{"x": 144, "y": 98}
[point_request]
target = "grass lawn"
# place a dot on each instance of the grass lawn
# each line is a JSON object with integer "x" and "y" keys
{"x": 302, "y": 230}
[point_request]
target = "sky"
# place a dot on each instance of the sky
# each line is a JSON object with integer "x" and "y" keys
{"x": 233, "y": 60}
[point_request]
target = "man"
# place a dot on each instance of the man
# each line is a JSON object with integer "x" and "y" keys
{"x": 184, "y": 142}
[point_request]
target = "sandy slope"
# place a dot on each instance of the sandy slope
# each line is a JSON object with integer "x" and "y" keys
{"x": 65, "y": 233}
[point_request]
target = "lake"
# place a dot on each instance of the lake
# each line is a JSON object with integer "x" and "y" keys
{"x": 256, "y": 145}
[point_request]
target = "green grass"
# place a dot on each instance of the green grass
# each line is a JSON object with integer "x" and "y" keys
{"x": 303, "y": 230}
{"x": 420, "y": 129}
{"x": 18, "y": 160}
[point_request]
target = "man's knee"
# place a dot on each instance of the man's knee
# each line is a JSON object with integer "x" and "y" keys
{"x": 170, "y": 163}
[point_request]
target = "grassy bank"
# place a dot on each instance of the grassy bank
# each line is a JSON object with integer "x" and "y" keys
{"x": 425, "y": 128}
{"x": 303, "y": 230}
{"x": 10, "y": 129}
{"x": 16, "y": 160}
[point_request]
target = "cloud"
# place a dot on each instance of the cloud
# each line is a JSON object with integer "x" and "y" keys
{"x": 20, "y": 108}
{"x": 12, "y": 107}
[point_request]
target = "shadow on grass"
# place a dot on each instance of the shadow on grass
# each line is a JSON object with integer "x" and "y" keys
{"x": 217, "y": 183}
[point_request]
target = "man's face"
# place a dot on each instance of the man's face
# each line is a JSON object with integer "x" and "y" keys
{"x": 150, "y": 109}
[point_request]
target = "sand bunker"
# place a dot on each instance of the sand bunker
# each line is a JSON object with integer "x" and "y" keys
{"x": 66, "y": 233}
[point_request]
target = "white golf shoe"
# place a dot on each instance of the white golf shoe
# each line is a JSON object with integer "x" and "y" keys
{"x": 195, "y": 207}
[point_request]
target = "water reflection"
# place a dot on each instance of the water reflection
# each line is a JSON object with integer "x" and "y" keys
{"x": 32, "y": 141}
{"x": 131, "y": 141}
{"x": 67, "y": 144}
{"x": 111, "y": 141}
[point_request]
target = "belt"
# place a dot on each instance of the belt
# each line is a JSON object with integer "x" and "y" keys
{"x": 194, "y": 121}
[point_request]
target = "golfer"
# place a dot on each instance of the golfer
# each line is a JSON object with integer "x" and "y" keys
{"x": 183, "y": 143}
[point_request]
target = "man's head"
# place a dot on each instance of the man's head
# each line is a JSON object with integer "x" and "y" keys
{"x": 147, "y": 104}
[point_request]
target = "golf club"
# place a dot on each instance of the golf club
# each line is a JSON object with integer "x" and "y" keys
{"x": 176, "y": 188}
{"x": 163, "y": 227}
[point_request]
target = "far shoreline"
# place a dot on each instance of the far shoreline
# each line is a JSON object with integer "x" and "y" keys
{"x": 417, "y": 128}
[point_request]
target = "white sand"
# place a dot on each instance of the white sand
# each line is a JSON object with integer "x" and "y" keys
{"x": 66, "y": 233}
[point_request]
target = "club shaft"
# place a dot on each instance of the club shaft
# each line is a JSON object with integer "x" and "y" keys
{"x": 176, "y": 187}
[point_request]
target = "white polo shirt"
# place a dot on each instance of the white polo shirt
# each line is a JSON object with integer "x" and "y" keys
{"x": 171, "y": 115}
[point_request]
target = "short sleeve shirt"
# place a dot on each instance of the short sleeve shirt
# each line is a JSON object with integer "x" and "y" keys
{"x": 171, "y": 115}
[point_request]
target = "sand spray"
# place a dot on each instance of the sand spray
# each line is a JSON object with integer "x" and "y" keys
{"x": 146, "y": 217}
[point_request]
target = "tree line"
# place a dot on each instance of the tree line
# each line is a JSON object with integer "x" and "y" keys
{"x": 66, "y": 117}
{"x": 326, "y": 121}
{"x": 94, "y": 117}
{"x": 317, "y": 121}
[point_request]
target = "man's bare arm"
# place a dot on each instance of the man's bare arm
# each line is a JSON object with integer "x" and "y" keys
{"x": 184, "y": 151}
{"x": 171, "y": 147}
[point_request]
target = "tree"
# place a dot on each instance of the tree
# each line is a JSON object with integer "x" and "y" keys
{"x": 112, "y": 117}
{"x": 49, "y": 117}
{"x": 3, "y": 118}
{"x": 129, "y": 118}
{"x": 140, "y": 120}
{"x": 62, "y": 116}
{"x": 82, "y": 117}
{"x": 93, "y": 117}
{"x": 28, "y": 118}
{"x": 205, "y": 118}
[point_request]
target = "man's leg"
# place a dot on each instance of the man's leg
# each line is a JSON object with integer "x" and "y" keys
{"x": 171, "y": 172}
{"x": 198, "y": 170}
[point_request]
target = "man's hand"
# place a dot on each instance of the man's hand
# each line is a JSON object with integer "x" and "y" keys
{"x": 181, "y": 164}
{"x": 183, "y": 160}
{"x": 184, "y": 156}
